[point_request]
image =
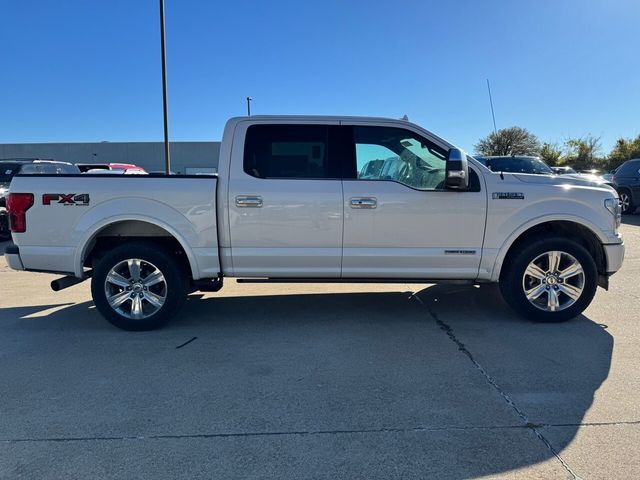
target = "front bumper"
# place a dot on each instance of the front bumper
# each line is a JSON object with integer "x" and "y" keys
{"x": 615, "y": 256}
{"x": 12, "y": 257}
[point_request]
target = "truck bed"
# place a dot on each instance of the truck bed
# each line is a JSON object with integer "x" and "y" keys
{"x": 70, "y": 212}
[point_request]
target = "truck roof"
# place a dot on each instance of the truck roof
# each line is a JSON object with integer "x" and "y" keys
{"x": 233, "y": 122}
{"x": 316, "y": 118}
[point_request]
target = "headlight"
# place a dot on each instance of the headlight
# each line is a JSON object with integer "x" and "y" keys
{"x": 613, "y": 205}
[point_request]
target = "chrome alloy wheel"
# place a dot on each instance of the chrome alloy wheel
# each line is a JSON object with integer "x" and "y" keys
{"x": 625, "y": 201}
{"x": 553, "y": 281}
{"x": 135, "y": 288}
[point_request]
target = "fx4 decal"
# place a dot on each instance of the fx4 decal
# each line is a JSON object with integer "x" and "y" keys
{"x": 66, "y": 199}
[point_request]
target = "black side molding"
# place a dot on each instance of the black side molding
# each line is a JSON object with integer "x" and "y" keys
{"x": 12, "y": 250}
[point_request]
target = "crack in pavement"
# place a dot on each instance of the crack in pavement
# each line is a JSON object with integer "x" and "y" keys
{"x": 526, "y": 426}
{"x": 266, "y": 434}
{"x": 521, "y": 414}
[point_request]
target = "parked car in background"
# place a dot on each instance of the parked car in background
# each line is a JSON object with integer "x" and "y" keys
{"x": 12, "y": 166}
{"x": 609, "y": 175}
{"x": 4, "y": 223}
{"x": 115, "y": 171}
{"x": 563, "y": 170}
{"x": 626, "y": 181}
{"x": 516, "y": 164}
{"x": 534, "y": 165}
{"x": 126, "y": 167}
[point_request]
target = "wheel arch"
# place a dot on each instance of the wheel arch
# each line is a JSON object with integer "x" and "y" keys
{"x": 578, "y": 231}
{"x": 133, "y": 227}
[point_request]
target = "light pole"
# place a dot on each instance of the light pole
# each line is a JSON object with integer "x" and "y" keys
{"x": 167, "y": 158}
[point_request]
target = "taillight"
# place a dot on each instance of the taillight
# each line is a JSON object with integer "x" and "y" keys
{"x": 17, "y": 206}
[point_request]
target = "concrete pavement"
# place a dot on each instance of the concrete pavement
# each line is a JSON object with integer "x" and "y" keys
{"x": 317, "y": 381}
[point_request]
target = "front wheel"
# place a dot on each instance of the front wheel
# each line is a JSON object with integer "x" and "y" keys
{"x": 550, "y": 280}
{"x": 138, "y": 286}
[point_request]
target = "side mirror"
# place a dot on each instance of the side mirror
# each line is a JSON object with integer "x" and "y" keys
{"x": 457, "y": 175}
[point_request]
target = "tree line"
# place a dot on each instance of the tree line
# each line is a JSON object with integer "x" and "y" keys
{"x": 580, "y": 153}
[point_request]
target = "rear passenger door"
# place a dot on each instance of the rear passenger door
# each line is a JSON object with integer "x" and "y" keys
{"x": 285, "y": 201}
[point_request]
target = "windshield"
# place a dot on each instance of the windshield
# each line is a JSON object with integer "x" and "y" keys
{"x": 519, "y": 165}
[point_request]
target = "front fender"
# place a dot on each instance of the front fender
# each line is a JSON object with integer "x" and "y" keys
{"x": 498, "y": 259}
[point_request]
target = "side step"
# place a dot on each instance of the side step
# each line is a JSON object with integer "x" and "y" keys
{"x": 353, "y": 280}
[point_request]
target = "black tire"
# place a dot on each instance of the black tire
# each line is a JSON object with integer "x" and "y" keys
{"x": 513, "y": 290}
{"x": 174, "y": 285}
{"x": 626, "y": 201}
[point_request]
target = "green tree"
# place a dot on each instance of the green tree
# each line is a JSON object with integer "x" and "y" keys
{"x": 624, "y": 149}
{"x": 509, "y": 141}
{"x": 583, "y": 153}
{"x": 550, "y": 154}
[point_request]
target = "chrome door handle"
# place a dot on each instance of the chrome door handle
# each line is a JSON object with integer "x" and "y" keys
{"x": 249, "y": 201}
{"x": 364, "y": 202}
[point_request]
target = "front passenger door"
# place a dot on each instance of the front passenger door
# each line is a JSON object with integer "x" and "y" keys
{"x": 400, "y": 221}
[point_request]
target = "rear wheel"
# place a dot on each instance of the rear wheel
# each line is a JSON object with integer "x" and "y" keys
{"x": 550, "y": 280}
{"x": 626, "y": 202}
{"x": 138, "y": 286}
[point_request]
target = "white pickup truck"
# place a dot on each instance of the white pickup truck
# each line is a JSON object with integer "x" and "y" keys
{"x": 319, "y": 199}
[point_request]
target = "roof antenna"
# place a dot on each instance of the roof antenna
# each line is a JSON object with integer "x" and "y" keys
{"x": 249, "y": 106}
{"x": 495, "y": 130}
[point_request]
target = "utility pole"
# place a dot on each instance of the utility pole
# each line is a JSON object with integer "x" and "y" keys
{"x": 167, "y": 158}
{"x": 249, "y": 106}
{"x": 495, "y": 130}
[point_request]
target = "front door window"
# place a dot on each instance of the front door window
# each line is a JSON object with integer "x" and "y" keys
{"x": 395, "y": 154}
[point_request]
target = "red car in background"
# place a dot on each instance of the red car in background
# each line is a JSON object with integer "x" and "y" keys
{"x": 127, "y": 168}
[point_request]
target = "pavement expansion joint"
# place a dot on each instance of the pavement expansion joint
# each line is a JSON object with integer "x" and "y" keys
{"x": 381, "y": 430}
{"x": 491, "y": 381}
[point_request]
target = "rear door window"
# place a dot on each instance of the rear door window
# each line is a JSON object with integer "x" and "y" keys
{"x": 289, "y": 151}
